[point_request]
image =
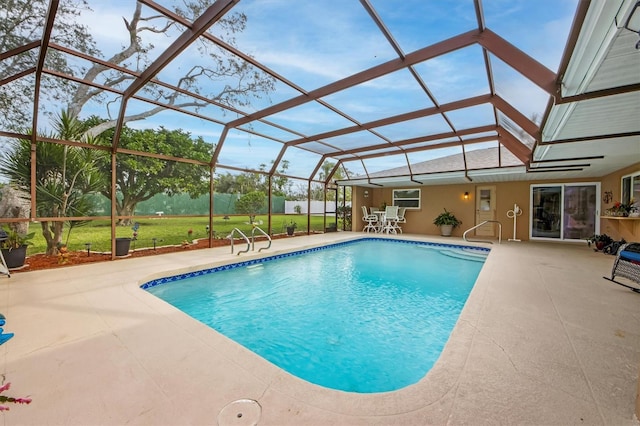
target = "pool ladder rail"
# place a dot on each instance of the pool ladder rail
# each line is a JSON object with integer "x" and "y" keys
{"x": 250, "y": 243}
{"x": 464, "y": 236}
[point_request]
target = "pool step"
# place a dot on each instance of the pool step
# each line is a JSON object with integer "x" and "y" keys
{"x": 256, "y": 267}
{"x": 465, "y": 254}
{"x": 461, "y": 253}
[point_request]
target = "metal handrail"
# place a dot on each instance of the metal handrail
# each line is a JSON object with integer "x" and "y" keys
{"x": 253, "y": 232}
{"x": 464, "y": 236}
{"x": 230, "y": 236}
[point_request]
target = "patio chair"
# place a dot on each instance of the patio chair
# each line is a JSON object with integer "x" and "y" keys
{"x": 371, "y": 220}
{"x": 401, "y": 212}
{"x": 391, "y": 220}
{"x": 627, "y": 265}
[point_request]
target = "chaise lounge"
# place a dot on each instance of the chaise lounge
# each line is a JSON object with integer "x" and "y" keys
{"x": 627, "y": 265}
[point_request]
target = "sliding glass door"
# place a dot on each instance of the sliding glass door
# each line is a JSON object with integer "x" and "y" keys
{"x": 546, "y": 210}
{"x": 564, "y": 211}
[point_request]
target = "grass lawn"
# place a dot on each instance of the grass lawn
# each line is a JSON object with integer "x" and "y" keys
{"x": 169, "y": 231}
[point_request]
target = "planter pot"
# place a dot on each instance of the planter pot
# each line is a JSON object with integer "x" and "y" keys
{"x": 445, "y": 230}
{"x": 15, "y": 257}
{"x": 290, "y": 231}
{"x": 122, "y": 246}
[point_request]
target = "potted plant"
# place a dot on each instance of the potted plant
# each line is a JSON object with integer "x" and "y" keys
{"x": 447, "y": 222}
{"x": 291, "y": 228}
{"x": 600, "y": 240}
{"x": 14, "y": 247}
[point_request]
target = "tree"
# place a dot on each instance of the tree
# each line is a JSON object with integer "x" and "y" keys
{"x": 20, "y": 20}
{"x": 65, "y": 177}
{"x": 253, "y": 181}
{"x": 139, "y": 178}
{"x": 251, "y": 204}
{"x": 325, "y": 169}
{"x": 281, "y": 184}
{"x": 225, "y": 183}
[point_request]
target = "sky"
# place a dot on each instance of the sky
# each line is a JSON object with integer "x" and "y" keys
{"x": 313, "y": 43}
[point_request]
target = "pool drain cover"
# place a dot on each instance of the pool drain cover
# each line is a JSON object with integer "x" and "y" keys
{"x": 243, "y": 412}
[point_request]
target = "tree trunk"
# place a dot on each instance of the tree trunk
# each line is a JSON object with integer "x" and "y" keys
{"x": 123, "y": 222}
{"x": 126, "y": 208}
{"x": 52, "y": 239}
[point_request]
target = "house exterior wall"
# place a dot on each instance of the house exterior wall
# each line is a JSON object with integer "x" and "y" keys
{"x": 434, "y": 199}
{"x": 438, "y": 197}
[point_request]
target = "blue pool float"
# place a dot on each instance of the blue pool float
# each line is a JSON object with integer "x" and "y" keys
{"x": 4, "y": 336}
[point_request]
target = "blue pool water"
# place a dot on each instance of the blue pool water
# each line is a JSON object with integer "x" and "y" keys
{"x": 365, "y": 316}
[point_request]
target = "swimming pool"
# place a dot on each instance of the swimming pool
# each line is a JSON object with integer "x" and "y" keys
{"x": 370, "y": 315}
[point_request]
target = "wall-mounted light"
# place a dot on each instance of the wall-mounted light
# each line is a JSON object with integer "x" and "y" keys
{"x": 466, "y": 195}
{"x": 366, "y": 193}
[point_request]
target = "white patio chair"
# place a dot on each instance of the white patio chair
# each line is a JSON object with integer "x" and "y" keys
{"x": 371, "y": 220}
{"x": 401, "y": 218}
{"x": 391, "y": 220}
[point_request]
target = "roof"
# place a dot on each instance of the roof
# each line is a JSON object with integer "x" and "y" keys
{"x": 381, "y": 89}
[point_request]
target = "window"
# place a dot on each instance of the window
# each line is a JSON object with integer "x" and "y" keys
{"x": 630, "y": 188}
{"x": 409, "y": 198}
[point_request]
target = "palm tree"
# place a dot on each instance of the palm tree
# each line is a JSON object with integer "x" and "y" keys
{"x": 65, "y": 176}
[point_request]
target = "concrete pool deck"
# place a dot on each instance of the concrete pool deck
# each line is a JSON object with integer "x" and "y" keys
{"x": 543, "y": 339}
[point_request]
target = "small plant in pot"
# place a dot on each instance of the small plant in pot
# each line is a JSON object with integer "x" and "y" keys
{"x": 447, "y": 222}
{"x": 291, "y": 228}
{"x": 14, "y": 246}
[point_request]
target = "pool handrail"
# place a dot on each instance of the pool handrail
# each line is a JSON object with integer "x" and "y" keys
{"x": 253, "y": 232}
{"x": 464, "y": 236}
{"x": 246, "y": 239}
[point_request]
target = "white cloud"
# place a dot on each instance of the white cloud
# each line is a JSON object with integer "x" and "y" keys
{"x": 105, "y": 23}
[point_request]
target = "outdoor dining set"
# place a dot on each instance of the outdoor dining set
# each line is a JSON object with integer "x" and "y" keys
{"x": 383, "y": 221}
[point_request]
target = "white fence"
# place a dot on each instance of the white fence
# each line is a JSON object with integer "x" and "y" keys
{"x": 317, "y": 207}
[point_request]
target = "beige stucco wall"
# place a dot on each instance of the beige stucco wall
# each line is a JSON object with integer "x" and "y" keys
{"x": 435, "y": 198}
{"x": 438, "y": 197}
